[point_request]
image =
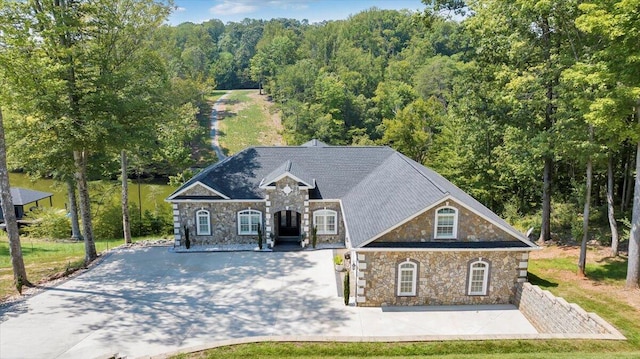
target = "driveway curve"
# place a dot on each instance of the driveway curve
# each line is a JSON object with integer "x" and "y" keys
{"x": 148, "y": 301}
{"x": 215, "y": 125}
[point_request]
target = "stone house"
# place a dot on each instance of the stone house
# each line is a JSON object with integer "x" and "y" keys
{"x": 414, "y": 238}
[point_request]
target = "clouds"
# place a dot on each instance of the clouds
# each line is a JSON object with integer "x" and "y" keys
{"x": 235, "y": 7}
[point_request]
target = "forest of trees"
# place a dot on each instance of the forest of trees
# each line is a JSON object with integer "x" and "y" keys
{"x": 533, "y": 107}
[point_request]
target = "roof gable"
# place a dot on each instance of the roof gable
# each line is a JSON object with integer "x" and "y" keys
{"x": 288, "y": 169}
{"x": 197, "y": 189}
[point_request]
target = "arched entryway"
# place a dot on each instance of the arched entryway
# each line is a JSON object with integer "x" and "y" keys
{"x": 287, "y": 226}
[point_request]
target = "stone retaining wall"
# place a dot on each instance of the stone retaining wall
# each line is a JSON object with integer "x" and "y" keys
{"x": 551, "y": 314}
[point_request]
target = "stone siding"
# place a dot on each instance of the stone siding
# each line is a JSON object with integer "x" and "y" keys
{"x": 224, "y": 222}
{"x": 198, "y": 190}
{"x": 551, "y": 314}
{"x": 328, "y": 238}
{"x": 471, "y": 228}
{"x": 297, "y": 200}
{"x": 442, "y": 277}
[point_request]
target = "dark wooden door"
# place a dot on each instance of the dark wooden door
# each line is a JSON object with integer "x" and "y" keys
{"x": 288, "y": 224}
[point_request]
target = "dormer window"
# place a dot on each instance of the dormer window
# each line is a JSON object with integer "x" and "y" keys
{"x": 446, "y": 223}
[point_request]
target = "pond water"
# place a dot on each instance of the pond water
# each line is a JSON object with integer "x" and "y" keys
{"x": 150, "y": 195}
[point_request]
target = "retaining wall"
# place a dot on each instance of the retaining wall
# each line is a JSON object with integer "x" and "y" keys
{"x": 551, "y": 314}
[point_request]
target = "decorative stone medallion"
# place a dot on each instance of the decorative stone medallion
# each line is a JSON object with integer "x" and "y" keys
{"x": 286, "y": 190}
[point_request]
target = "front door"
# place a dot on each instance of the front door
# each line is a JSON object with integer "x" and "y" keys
{"x": 288, "y": 224}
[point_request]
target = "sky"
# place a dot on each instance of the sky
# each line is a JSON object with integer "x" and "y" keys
{"x": 198, "y": 11}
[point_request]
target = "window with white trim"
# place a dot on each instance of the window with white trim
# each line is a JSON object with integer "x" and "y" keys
{"x": 326, "y": 221}
{"x": 248, "y": 222}
{"x": 446, "y": 223}
{"x": 478, "y": 277}
{"x": 203, "y": 223}
{"x": 407, "y": 278}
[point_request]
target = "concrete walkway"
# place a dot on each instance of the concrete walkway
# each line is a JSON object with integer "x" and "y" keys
{"x": 148, "y": 301}
{"x": 215, "y": 144}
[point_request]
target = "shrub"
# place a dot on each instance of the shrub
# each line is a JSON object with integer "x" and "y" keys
{"x": 346, "y": 288}
{"x": 187, "y": 241}
{"x": 314, "y": 236}
{"x": 259, "y": 238}
{"x": 107, "y": 223}
{"x": 49, "y": 223}
{"x": 337, "y": 260}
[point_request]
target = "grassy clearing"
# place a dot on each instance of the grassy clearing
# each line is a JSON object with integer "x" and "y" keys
{"x": 215, "y": 95}
{"x": 44, "y": 259}
{"x": 246, "y": 121}
{"x": 602, "y": 293}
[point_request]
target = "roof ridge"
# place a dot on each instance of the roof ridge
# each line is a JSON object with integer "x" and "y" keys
{"x": 409, "y": 161}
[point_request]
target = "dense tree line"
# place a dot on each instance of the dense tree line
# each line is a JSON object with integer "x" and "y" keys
{"x": 530, "y": 106}
{"x": 84, "y": 86}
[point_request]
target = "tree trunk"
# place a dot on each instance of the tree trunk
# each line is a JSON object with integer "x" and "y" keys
{"x": 610, "y": 210}
{"x": 545, "y": 230}
{"x": 545, "y": 227}
{"x": 80, "y": 161}
{"x": 633, "y": 269}
{"x": 126, "y": 226}
{"x": 73, "y": 210}
{"x": 625, "y": 181}
{"x": 582, "y": 261}
{"x": 15, "y": 249}
{"x": 630, "y": 190}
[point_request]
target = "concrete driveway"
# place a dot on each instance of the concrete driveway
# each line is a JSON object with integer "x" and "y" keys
{"x": 149, "y": 301}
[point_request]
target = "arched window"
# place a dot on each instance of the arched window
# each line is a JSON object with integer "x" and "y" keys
{"x": 407, "y": 278}
{"x": 478, "y": 277}
{"x": 203, "y": 223}
{"x": 446, "y": 223}
{"x": 248, "y": 222}
{"x": 326, "y": 221}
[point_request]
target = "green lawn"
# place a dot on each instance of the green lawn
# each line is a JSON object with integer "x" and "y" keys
{"x": 215, "y": 95}
{"x": 44, "y": 259}
{"x": 246, "y": 122}
{"x": 556, "y": 275}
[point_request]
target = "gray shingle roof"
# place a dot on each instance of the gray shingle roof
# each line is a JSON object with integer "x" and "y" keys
{"x": 379, "y": 187}
{"x": 336, "y": 170}
{"x": 22, "y": 196}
